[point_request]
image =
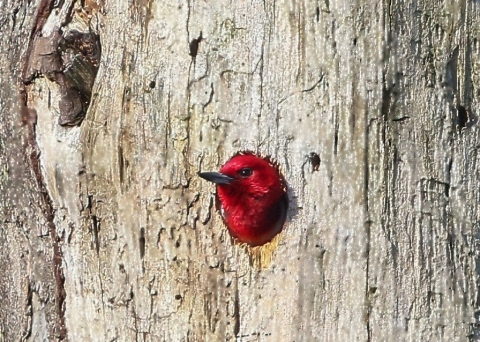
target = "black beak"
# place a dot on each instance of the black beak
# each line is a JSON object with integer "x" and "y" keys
{"x": 216, "y": 177}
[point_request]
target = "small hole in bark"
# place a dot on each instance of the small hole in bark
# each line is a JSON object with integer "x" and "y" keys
{"x": 314, "y": 160}
{"x": 152, "y": 84}
{"x": 178, "y": 297}
{"x": 462, "y": 116}
{"x": 194, "y": 44}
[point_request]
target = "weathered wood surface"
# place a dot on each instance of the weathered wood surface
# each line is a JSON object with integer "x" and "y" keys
{"x": 108, "y": 234}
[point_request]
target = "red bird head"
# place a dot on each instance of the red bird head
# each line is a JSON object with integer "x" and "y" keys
{"x": 251, "y": 196}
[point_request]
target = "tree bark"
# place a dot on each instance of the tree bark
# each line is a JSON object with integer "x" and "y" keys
{"x": 369, "y": 107}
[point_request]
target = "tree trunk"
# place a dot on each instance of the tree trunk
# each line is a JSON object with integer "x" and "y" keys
{"x": 109, "y": 234}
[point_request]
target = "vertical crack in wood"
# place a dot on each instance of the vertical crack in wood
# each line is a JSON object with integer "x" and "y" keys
{"x": 27, "y": 333}
{"x": 95, "y": 230}
{"x": 95, "y": 227}
{"x": 336, "y": 124}
{"x": 261, "y": 65}
{"x": 236, "y": 312}
{"x": 367, "y": 225}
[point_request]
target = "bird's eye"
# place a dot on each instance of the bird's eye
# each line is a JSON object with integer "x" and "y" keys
{"x": 245, "y": 172}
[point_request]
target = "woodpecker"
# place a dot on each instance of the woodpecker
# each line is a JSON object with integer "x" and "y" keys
{"x": 251, "y": 197}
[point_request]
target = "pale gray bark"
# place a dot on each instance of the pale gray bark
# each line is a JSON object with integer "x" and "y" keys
{"x": 381, "y": 242}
